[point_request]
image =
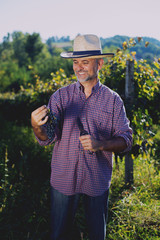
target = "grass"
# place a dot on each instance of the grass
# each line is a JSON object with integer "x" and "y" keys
{"x": 135, "y": 212}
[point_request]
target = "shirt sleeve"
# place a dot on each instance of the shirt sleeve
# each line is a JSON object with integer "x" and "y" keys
{"x": 121, "y": 124}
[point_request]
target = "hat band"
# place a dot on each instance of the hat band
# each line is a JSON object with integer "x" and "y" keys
{"x": 94, "y": 52}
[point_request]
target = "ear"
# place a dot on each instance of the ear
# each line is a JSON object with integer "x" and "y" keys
{"x": 100, "y": 63}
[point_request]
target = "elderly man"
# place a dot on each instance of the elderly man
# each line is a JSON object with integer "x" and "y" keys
{"x": 90, "y": 125}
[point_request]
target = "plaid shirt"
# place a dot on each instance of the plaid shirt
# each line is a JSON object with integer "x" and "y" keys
{"x": 74, "y": 170}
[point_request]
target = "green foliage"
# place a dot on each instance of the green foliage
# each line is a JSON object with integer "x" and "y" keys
{"x": 11, "y": 76}
{"x": 18, "y": 107}
{"x": 141, "y": 111}
{"x": 19, "y": 44}
{"x": 4, "y": 182}
{"x": 24, "y": 185}
{"x": 134, "y": 212}
{"x": 146, "y": 48}
{"x": 33, "y": 46}
{"x": 19, "y": 50}
{"x": 146, "y": 77}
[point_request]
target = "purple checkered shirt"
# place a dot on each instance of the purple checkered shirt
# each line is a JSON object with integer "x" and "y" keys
{"x": 74, "y": 170}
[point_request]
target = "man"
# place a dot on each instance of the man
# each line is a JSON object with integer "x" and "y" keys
{"x": 91, "y": 124}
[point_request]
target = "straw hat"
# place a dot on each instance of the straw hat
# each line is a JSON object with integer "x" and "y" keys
{"x": 88, "y": 46}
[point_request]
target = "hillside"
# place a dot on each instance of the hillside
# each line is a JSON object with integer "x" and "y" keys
{"x": 149, "y": 52}
{"x": 118, "y": 40}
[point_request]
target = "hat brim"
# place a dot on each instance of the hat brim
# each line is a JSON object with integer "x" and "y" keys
{"x": 70, "y": 55}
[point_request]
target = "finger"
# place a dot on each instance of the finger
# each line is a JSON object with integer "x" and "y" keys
{"x": 38, "y": 110}
{"x": 86, "y": 144}
{"x": 85, "y": 140}
{"x": 42, "y": 114}
{"x": 39, "y": 119}
{"x": 86, "y": 147}
{"x": 43, "y": 121}
{"x": 85, "y": 137}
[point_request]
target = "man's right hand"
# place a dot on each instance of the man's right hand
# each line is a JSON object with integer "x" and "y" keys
{"x": 39, "y": 117}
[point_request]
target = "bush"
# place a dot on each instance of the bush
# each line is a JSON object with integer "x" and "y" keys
{"x": 25, "y": 174}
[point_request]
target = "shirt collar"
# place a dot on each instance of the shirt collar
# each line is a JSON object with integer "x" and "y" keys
{"x": 94, "y": 89}
{"x": 97, "y": 86}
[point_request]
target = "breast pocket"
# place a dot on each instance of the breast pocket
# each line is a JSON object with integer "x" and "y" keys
{"x": 103, "y": 122}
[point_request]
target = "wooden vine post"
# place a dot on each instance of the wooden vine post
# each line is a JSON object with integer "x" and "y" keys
{"x": 129, "y": 99}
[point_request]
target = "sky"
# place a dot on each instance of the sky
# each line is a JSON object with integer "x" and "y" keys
{"x": 105, "y": 18}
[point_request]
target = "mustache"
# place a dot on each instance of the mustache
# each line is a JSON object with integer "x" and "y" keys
{"x": 80, "y": 71}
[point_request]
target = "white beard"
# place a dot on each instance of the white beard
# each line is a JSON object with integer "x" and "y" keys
{"x": 88, "y": 78}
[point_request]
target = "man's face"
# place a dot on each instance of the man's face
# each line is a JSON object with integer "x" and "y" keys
{"x": 86, "y": 69}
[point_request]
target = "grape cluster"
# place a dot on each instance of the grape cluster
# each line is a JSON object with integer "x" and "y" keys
{"x": 51, "y": 124}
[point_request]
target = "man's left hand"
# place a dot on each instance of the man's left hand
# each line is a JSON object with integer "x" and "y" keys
{"x": 89, "y": 143}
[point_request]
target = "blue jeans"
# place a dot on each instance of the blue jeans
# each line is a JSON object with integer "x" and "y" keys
{"x": 63, "y": 210}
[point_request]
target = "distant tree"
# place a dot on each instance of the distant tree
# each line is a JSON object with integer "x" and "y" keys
{"x": 6, "y": 42}
{"x": 50, "y": 41}
{"x": 56, "y": 39}
{"x": 64, "y": 39}
{"x": 19, "y": 46}
{"x": 33, "y": 46}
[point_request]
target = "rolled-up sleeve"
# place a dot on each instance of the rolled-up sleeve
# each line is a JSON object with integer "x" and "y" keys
{"x": 121, "y": 124}
{"x": 45, "y": 142}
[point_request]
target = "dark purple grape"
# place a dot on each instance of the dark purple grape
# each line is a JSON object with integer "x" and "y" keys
{"x": 51, "y": 124}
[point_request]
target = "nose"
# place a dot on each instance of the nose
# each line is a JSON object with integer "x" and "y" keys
{"x": 79, "y": 67}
